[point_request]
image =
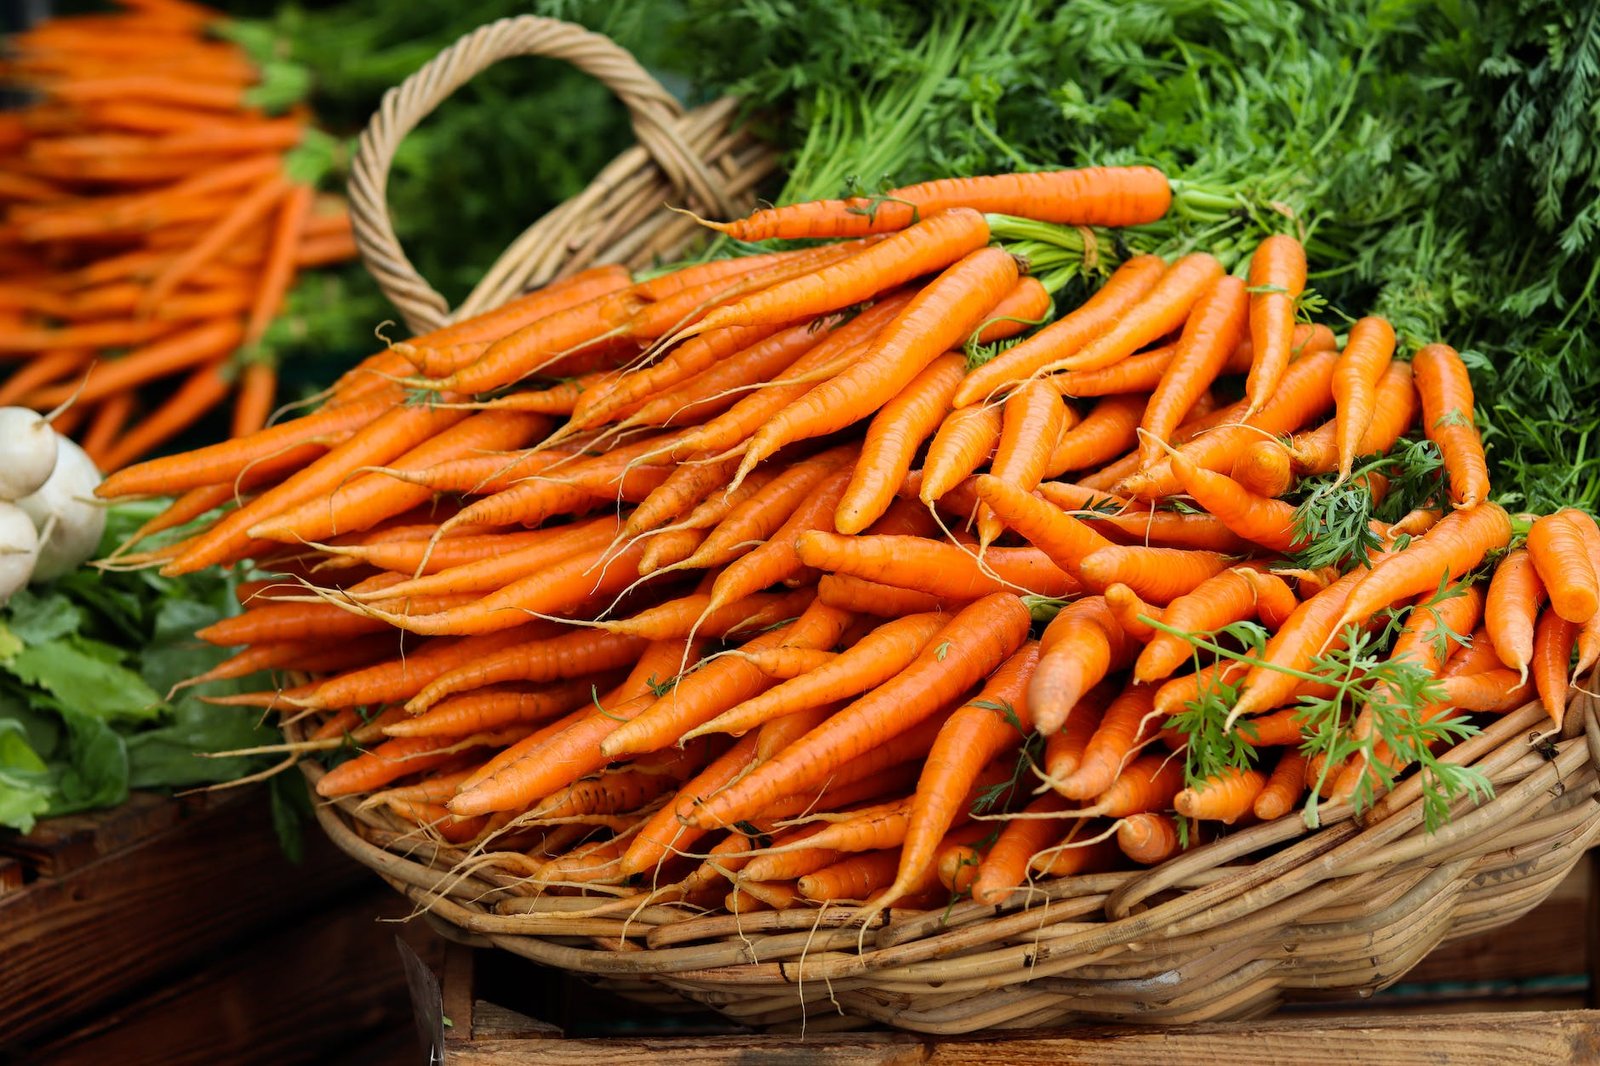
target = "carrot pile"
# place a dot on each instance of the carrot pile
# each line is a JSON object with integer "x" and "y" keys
{"x": 739, "y": 586}
{"x": 156, "y": 216}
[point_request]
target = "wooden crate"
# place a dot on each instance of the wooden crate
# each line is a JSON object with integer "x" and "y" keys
{"x": 1520, "y": 995}
{"x": 176, "y": 931}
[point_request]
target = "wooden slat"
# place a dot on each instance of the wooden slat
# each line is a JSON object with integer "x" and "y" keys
{"x": 201, "y": 884}
{"x": 57, "y": 846}
{"x": 318, "y": 989}
{"x": 1475, "y": 1039}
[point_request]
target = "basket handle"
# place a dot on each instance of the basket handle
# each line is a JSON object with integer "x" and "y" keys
{"x": 652, "y": 110}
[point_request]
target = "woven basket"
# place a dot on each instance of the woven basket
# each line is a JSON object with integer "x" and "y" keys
{"x": 1230, "y": 930}
{"x": 695, "y": 159}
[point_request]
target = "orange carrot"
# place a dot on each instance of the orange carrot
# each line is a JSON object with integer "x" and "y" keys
{"x": 1553, "y": 639}
{"x": 1090, "y": 196}
{"x": 1515, "y": 593}
{"x": 941, "y": 315}
{"x": 1129, "y": 722}
{"x": 1218, "y": 601}
{"x": 1277, "y": 278}
{"x": 1032, "y": 420}
{"x": 1080, "y": 646}
{"x": 1457, "y": 544}
{"x": 1106, "y": 432}
{"x": 1214, "y": 328}
{"x": 1284, "y": 788}
{"x": 1267, "y": 522}
{"x": 943, "y": 570}
{"x": 1163, "y": 309}
{"x": 1128, "y": 284}
{"x": 1562, "y": 561}
{"x": 1223, "y": 797}
{"x": 1160, "y": 575}
{"x": 1005, "y": 867}
{"x": 1361, "y": 366}
{"x": 969, "y": 646}
{"x": 892, "y": 439}
{"x": 1447, "y": 418}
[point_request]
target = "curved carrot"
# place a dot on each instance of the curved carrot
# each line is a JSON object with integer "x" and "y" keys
{"x": 1267, "y": 522}
{"x": 943, "y": 570}
{"x": 1079, "y": 647}
{"x": 1127, "y": 285}
{"x": 970, "y": 645}
{"x": 1284, "y": 787}
{"x": 1275, "y": 600}
{"x": 1032, "y": 419}
{"x": 1063, "y": 749}
{"x": 1447, "y": 419}
{"x": 1277, "y": 278}
{"x": 1563, "y": 562}
{"x": 1553, "y": 639}
{"x": 876, "y": 658}
{"x": 1130, "y": 611}
{"x": 1066, "y": 540}
{"x": 945, "y": 312}
{"x": 1163, "y": 309}
{"x": 493, "y": 708}
{"x": 1515, "y": 593}
{"x": 1149, "y": 838}
{"x": 1005, "y": 867}
{"x": 1265, "y": 469}
{"x": 1217, "y": 601}
{"x": 1106, "y": 432}
{"x": 1160, "y": 575}
{"x": 1216, "y": 324}
{"x": 893, "y": 437}
{"x": 1127, "y": 725}
{"x": 1361, "y": 366}
{"x": 965, "y": 440}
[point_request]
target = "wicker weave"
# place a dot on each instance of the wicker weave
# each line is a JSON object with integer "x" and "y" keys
{"x": 695, "y": 159}
{"x": 1274, "y": 912}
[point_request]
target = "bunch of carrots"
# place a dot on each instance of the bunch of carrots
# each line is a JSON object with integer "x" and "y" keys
{"x": 743, "y": 586}
{"x": 156, "y": 216}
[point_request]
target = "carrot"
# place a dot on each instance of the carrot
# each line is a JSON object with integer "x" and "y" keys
{"x": 1128, "y": 284}
{"x": 1079, "y": 647}
{"x": 956, "y": 867}
{"x": 885, "y": 601}
{"x": 1303, "y": 393}
{"x": 1130, "y": 612}
{"x": 108, "y": 421}
{"x": 223, "y": 462}
{"x": 494, "y": 707}
{"x": 1447, "y": 419}
{"x": 1564, "y": 564}
{"x": 192, "y": 347}
{"x": 554, "y": 658}
{"x": 1160, "y": 575}
{"x": 1149, "y": 783}
{"x": 1215, "y": 326}
{"x": 246, "y": 212}
{"x": 875, "y": 659}
{"x": 1106, "y": 432}
{"x": 1265, "y": 469}
{"x": 719, "y": 686}
{"x": 1067, "y": 541}
{"x": 1091, "y": 196}
{"x": 1515, "y": 593}
{"x": 694, "y": 615}
{"x": 1284, "y": 788}
{"x": 932, "y": 244}
{"x": 1149, "y": 838}
{"x": 398, "y": 679}
{"x": 1032, "y": 420}
{"x": 1267, "y": 522}
{"x": 1451, "y": 548}
{"x": 1275, "y": 601}
{"x": 549, "y": 546}
{"x": 666, "y": 829}
{"x": 779, "y": 559}
{"x": 1277, "y": 278}
{"x": 1005, "y": 867}
{"x": 1223, "y": 797}
{"x": 1553, "y": 639}
{"x": 942, "y": 570}
{"x": 965, "y": 440}
{"x": 941, "y": 315}
{"x": 892, "y": 439}
{"x": 668, "y": 548}
{"x": 369, "y": 499}
{"x": 1142, "y": 372}
{"x": 1493, "y": 691}
{"x": 1162, "y": 309}
{"x": 394, "y": 759}
{"x": 1361, "y": 366}
{"x": 1063, "y": 752}
{"x": 976, "y": 733}
{"x": 785, "y": 664}
{"x": 1218, "y": 601}
{"x": 968, "y": 647}
{"x": 1129, "y": 722}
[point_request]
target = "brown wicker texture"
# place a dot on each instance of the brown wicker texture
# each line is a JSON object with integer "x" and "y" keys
{"x": 695, "y": 159}
{"x": 1271, "y": 913}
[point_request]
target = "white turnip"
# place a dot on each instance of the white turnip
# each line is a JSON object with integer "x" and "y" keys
{"x": 68, "y": 518}
{"x": 27, "y": 452}
{"x": 19, "y": 548}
